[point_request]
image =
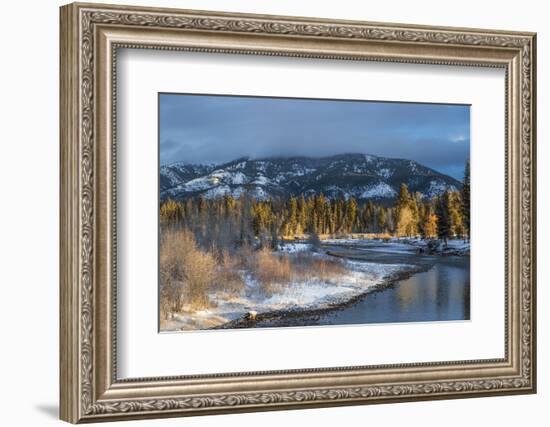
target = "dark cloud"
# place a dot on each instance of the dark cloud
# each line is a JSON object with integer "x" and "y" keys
{"x": 203, "y": 128}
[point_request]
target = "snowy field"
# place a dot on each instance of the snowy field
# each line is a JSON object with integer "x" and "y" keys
{"x": 404, "y": 245}
{"x": 358, "y": 279}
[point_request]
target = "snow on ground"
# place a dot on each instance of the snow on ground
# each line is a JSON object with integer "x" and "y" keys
{"x": 172, "y": 176}
{"x": 458, "y": 244}
{"x": 197, "y": 184}
{"x": 401, "y": 245}
{"x": 216, "y": 183}
{"x": 313, "y": 294}
{"x": 259, "y": 193}
{"x": 240, "y": 165}
{"x": 216, "y": 192}
{"x": 332, "y": 188}
{"x": 378, "y": 190}
{"x": 376, "y": 270}
{"x": 295, "y": 172}
{"x": 294, "y": 247}
{"x": 261, "y": 166}
{"x": 438, "y": 187}
{"x": 385, "y": 173}
{"x": 261, "y": 180}
{"x": 375, "y": 245}
{"x": 224, "y": 190}
{"x": 359, "y": 278}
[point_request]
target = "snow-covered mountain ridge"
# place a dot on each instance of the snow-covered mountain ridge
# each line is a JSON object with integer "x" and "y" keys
{"x": 361, "y": 176}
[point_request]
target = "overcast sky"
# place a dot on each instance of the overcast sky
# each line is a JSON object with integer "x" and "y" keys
{"x": 208, "y": 128}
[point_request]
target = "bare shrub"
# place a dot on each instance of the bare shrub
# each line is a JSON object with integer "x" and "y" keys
{"x": 245, "y": 258}
{"x": 276, "y": 272}
{"x": 271, "y": 270}
{"x": 327, "y": 269}
{"x": 171, "y": 274}
{"x": 200, "y": 273}
{"x": 171, "y": 211}
{"x": 306, "y": 266}
{"x": 186, "y": 272}
{"x": 170, "y": 295}
{"x": 315, "y": 241}
{"x": 229, "y": 278}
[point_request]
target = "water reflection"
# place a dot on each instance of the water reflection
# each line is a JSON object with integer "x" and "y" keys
{"x": 441, "y": 293}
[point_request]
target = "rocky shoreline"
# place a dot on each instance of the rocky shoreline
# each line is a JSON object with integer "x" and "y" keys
{"x": 295, "y": 316}
{"x": 418, "y": 246}
{"x": 385, "y": 263}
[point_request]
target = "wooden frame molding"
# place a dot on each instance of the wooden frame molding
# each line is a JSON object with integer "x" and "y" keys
{"x": 90, "y": 37}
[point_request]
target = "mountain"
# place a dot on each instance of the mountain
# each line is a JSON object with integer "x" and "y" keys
{"x": 341, "y": 176}
{"x": 178, "y": 173}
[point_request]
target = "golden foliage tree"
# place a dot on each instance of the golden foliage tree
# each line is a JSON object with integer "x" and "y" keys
{"x": 186, "y": 272}
{"x": 171, "y": 211}
{"x": 430, "y": 225}
{"x": 404, "y": 221}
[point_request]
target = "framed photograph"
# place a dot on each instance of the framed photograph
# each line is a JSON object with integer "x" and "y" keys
{"x": 266, "y": 212}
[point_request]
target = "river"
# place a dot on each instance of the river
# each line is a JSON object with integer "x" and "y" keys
{"x": 440, "y": 292}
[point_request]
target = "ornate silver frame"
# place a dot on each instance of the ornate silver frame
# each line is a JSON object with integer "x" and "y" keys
{"x": 90, "y": 36}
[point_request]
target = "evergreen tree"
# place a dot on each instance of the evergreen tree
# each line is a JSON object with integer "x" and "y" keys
{"x": 368, "y": 215}
{"x": 246, "y": 236}
{"x": 455, "y": 213}
{"x": 274, "y": 235}
{"x": 310, "y": 214}
{"x": 319, "y": 210}
{"x": 423, "y": 215}
{"x": 403, "y": 197}
{"x": 328, "y": 217}
{"x": 225, "y": 224}
{"x": 404, "y": 221}
{"x": 443, "y": 216}
{"x": 351, "y": 214}
{"x": 406, "y": 211}
{"x": 171, "y": 211}
{"x": 202, "y": 206}
{"x": 293, "y": 215}
{"x": 382, "y": 221}
{"x": 314, "y": 222}
{"x": 466, "y": 199}
{"x": 390, "y": 219}
{"x": 302, "y": 214}
{"x": 190, "y": 214}
{"x": 412, "y": 229}
{"x": 429, "y": 222}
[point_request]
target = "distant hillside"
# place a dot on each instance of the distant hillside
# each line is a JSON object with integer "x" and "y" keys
{"x": 341, "y": 176}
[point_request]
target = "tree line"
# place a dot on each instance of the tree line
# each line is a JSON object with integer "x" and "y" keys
{"x": 231, "y": 222}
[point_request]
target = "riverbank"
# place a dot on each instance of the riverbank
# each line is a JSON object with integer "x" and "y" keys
{"x": 369, "y": 265}
{"x": 304, "y": 316}
{"x": 313, "y": 296}
{"x": 453, "y": 247}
